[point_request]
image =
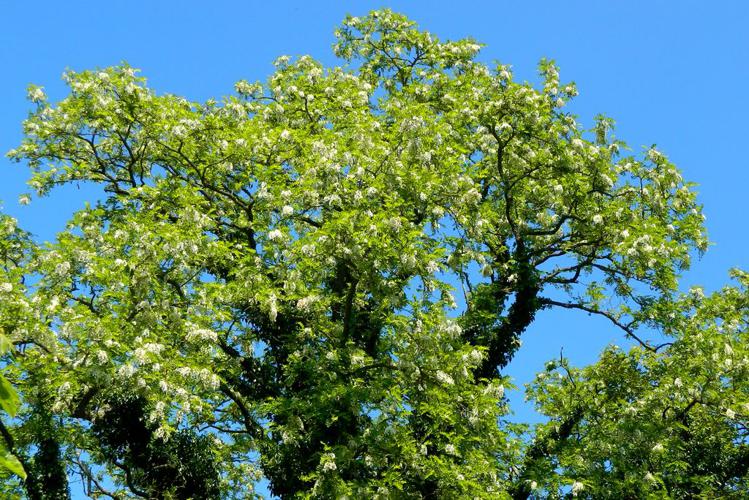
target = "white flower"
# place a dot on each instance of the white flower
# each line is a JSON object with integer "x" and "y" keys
{"x": 126, "y": 371}
{"x": 357, "y": 360}
{"x": 287, "y": 210}
{"x": 597, "y": 219}
{"x": 658, "y": 448}
{"x": 577, "y": 143}
{"x": 272, "y": 308}
{"x": 153, "y": 348}
{"x": 453, "y": 329}
{"x": 444, "y": 378}
{"x": 649, "y": 477}
{"x": 577, "y": 487}
{"x": 432, "y": 267}
{"x": 329, "y": 464}
{"x": 654, "y": 155}
{"x": 496, "y": 391}
{"x": 450, "y": 449}
{"x": 305, "y": 302}
{"x": 285, "y": 135}
{"x": 677, "y": 382}
{"x": 281, "y": 60}
{"x": 534, "y": 485}
{"x": 24, "y": 199}
{"x": 6, "y": 287}
{"x": 475, "y": 356}
{"x": 36, "y": 94}
{"x": 408, "y": 260}
{"x": 62, "y": 268}
{"x": 194, "y": 333}
{"x": 730, "y": 413}
{"x": 276, "y": 234}
{"x": 559, "y": 188}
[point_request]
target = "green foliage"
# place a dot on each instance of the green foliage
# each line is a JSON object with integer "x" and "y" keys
{"x": 668, "y": 422}
{"x": 181, "y": 467}
{"x": 12, "y": 246}
{"x": 268, "y": 288}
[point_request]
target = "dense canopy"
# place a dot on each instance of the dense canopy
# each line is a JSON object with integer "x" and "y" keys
{"x": 320, "y": 280}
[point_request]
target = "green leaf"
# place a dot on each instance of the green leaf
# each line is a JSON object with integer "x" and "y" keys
{"x": 9, "y": 400}
{"x": 5, "y": 344}
{"x": 10, "y": 462}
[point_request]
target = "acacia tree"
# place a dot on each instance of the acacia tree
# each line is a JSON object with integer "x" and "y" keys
{"x": 270, "y": 289}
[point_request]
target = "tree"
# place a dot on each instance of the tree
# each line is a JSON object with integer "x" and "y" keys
{"x": 269, "y": 288}
{"x": 645, "y": 421}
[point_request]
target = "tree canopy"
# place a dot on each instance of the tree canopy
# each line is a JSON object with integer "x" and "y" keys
{"x": 320, "y": 280}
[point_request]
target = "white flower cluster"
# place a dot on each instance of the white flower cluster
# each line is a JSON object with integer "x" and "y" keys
{"x": 304, "y": 303}
{"x": 275, "y": 234}
{"x": 577, "y": 487}
{"x": 203, "y": 376}
{"x": 142, "y": 353}
{"x": 102, "y": 357}
{"x": 62, "y": 268}
{"x": 195, "y": 333}
{"x": 495, "y": 390}
{"x": 272, "y": 307}
{"x": 36, "y": 94}
{"x": 444, "y": 378}
{"x": 329, "y": 464}
{"x": 126, "y": 370}
{"x": 474, "y": 357}
{"x": 453, "y": 329}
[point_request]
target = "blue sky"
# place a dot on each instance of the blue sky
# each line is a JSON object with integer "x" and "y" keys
{"x": 669, "y": 73}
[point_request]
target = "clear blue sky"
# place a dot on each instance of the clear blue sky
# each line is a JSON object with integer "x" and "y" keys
{"x": 670, "y": 73}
